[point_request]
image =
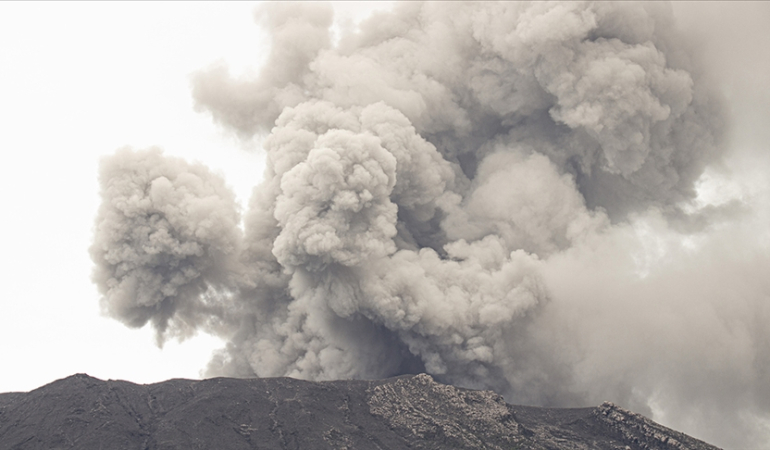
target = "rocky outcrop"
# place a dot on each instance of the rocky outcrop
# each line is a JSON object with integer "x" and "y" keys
{"x": 641, "y": 431}
{"x": 409, "y": 412}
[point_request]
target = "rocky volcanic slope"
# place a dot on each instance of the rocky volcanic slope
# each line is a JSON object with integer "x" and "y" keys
{"x": 409, "y": 412}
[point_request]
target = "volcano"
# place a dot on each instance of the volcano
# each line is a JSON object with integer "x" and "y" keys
{"x": 406, "y": 412}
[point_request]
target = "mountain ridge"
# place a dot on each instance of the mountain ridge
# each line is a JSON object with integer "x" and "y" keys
{"x": 410, "y": 411}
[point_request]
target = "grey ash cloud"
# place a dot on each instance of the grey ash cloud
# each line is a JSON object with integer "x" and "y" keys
{"x": 487, "y": 192}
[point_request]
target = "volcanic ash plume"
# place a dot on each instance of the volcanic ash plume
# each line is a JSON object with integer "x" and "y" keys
{"x": 493, "y": 193}
{"x": 166, "y": 234}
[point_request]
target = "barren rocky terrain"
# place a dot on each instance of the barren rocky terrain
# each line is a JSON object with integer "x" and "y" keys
{"x": 408, "y": 412}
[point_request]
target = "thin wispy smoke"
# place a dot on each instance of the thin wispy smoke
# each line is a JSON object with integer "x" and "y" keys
{"x": 502, "y": 195}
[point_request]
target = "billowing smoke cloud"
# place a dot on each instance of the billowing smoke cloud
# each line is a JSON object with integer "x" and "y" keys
{"x": 503, "y": 195}
{"x": 166, "y": 235}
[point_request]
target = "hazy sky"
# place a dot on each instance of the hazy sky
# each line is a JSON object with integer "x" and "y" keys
{"x": 80, "y": 80}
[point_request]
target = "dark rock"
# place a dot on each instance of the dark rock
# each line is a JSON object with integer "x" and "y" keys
{"x": 409, "y": 412}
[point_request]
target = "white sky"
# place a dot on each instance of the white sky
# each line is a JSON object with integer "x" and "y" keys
{"x": 77, "y": 81}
